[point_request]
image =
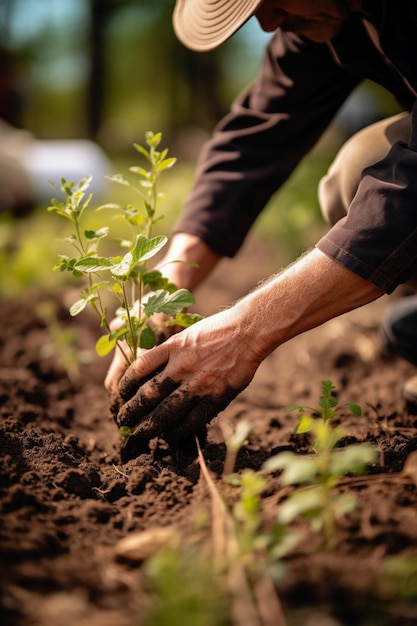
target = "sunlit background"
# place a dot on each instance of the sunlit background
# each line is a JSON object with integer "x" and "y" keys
{"x": 82, "y": 80}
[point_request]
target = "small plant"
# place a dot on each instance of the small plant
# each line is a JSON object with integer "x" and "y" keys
{"x": 183, "y": 590}
{"x": 261, "y": 548}
{"x": 318, "y": 501}
{"x": 125, "y": 275}
{"x": 246, "y": 557}
{"x": 234, "y": 440}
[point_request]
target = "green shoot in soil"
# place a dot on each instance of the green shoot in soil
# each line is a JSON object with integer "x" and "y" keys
{"x": 318, "y": 500}
{"x": 141, "y": 293}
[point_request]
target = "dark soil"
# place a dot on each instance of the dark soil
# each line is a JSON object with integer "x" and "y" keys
{"x": 67, "y": 498}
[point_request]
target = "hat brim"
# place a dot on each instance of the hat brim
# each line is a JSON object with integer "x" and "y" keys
{"x": 202, "y": 25}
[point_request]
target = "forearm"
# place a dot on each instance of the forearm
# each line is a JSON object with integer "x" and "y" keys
{"x": 197, "y": 261}
{"x": 308, "y": 293}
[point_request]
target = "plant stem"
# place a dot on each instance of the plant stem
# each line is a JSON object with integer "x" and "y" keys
{"x": 230, "y": 461}
{"x": 133, "y": 335}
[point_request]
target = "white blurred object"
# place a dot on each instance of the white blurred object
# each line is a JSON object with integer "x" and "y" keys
{"x": 27, "y": 164}
{"x": 69, "y": 159}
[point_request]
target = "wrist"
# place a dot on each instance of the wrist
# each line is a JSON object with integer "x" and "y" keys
{"x": 188, "y": 261}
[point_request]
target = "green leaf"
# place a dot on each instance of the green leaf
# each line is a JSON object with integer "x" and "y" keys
{"x": 146, "y": 248}
{"x": 278, "y": 462}
{"x": 328, "y": 402}
{"x": 84, "y": 183}
{"x": 125, "y": 431}
{"x": 300, "y": 503}
{"x": 78, "y": 307}
{"x": 120, "y": 333}
{"x": 354, "y": 408}
{"x": 120, "y": 179}
{"x": 88, "y": 297}
{"x": 142, "y": 151}
{"x": 153, "y": 139}
{"x": 161, "y": 156}
{"x": 326, "y": 437}
{"x": 110, "y": 205}
{"x": 301, "y": 470}
{"x": 136, "y": 217}
{"x": 116, "y": 288}
{"x": 97, "y": 234}
{"x": 166, "y": 164}
{"x": 147, "y": 338}
{"x": 123, "y": 268}
{"x": 105, "y": 345}
{"x": 93, "y": 264}
{"x": 240, "y": 435}
{"x": 184, "y": 319}
{"x": 59, "y": 207}
{"x": 352, "y": 459}
{"x": 297, "y": 407}
{"x": 305, "y": 425}
{"x": 169, "y": 303}
{"x": 343, "y": 503}
{"x": 140, "y": 171}
{"x": 72, "y": 239}
{"x": 150, "y": 211}
{"x": 155, "y": 280}
{"x": 96, "y": 287}
{"x": 327, "y": 387}
{"x": 297, "y": 469}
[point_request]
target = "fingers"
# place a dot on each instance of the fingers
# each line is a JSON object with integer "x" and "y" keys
{"x": 165, "y": 415}
{"x": 145, "y": 367}
{"x": 182, "y": 384}
{"x": 164, "y": 408}
{"x": 148, "y": 397}
{"x": 204, "y": 410}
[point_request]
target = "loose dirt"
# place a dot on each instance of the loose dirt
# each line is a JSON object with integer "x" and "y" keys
{"x": 67, "y": 499}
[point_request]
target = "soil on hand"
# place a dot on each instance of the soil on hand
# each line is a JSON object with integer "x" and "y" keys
{"x": 67, "y": 498}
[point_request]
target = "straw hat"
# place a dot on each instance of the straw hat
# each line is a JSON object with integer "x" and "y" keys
{"x": 204, "y": 24}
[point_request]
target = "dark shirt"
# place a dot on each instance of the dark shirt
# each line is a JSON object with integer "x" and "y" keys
{"x": 275, "y": 122}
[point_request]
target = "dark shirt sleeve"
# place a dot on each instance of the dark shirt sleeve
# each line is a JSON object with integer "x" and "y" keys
{"x": 378, "y": 238}
{"x": 271, "y": 126}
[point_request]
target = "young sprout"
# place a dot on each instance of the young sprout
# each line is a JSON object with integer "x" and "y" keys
{"x": 126, "y": 275}
{"x": 317, "y": 499}
{"x": 235, "y": 440}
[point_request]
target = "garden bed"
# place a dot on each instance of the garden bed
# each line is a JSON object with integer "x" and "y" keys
{"x": 66, "y": 498}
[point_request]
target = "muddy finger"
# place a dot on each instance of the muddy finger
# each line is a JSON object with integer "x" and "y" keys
{"x": 146, "y": 367}
{"x": 169, "y": 412}
{"x": 205, "y": 409}
{"x": 145, "y": 400}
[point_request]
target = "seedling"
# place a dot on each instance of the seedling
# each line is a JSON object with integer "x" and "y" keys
{"x": 241, "y": 549}
{"x": 318, "y": 500}
{"x": 140, "y": 293}
{"x": 235, "y": 440}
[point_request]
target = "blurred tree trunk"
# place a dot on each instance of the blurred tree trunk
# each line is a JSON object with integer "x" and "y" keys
{"x": 101, "y": 12}
{"x": 11, "y": 90}
{"x": 193, "y": 79}
{"x": 189, "y": 81}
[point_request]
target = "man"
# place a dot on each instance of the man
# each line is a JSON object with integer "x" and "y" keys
{"x": 320, "y": 52}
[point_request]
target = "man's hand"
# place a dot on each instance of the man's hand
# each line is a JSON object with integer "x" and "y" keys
{"x": 198, "y": 260}
{"x": 177, "y": 387}
{"x": 119, "y": 365}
